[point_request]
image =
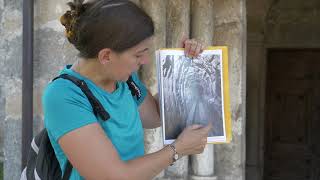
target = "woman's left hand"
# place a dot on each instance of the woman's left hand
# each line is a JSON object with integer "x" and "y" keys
{"x": 192, "y": 47}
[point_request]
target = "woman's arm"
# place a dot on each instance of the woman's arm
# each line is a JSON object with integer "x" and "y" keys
{"x": 149, "y": 112}
{"x": 91, "y": 152}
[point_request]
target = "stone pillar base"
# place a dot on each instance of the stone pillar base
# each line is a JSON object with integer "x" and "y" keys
{"x": 194, "y": 177}
{"x": 169, "y": 178}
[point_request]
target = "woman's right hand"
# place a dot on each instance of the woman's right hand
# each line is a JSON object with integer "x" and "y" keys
{"x": 192, "y": 140}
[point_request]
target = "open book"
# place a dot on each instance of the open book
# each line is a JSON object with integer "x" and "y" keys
{"x": 194, "y": 91}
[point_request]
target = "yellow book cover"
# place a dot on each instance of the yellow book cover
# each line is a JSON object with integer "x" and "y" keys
{"x": 194, "y": 91}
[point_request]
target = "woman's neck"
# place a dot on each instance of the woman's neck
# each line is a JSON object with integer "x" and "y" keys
{"x": 93, "y": 70}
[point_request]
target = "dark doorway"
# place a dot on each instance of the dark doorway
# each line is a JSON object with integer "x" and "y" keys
{"x": 292, "y": 129}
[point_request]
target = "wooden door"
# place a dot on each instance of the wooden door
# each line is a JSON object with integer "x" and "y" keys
{"x": 292, "y": 129}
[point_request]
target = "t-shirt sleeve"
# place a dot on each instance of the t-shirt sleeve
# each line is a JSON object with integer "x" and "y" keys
{"x": 66, "y": 108}
{"x": 141, "y": 86}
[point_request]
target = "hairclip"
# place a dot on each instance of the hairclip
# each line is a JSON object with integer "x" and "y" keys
{"x": 112, "y": 5}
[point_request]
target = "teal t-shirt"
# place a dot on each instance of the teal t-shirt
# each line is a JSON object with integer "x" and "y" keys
{"x": 66, "y": 108}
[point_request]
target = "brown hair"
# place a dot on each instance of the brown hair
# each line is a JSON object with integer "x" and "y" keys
{"x": 98, "y": 24}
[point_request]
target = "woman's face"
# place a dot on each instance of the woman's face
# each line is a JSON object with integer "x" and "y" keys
{"x": 129, "y": 61}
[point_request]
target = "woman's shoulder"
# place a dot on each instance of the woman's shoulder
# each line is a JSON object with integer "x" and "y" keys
{"x": 61, "y": 90}
{"x": 65, "y": 108}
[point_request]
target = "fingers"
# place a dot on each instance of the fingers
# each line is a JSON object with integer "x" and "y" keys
{"x": 187, "y": 47}
{"x": 195, "y": 126}
{"x": 201, "y": 148}
{"x": 204, "y": 140}
{"x": 202, "y": 130}
{"x": 193, "y": 48}
{"x": 208, "y": 127}
{"x": 182, "y": 41}
{"x": 202, "y": 48}
{"x": 193, "y": 139}
{"x": 197, "y": 50}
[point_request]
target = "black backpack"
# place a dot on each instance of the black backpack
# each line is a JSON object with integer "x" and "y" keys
{"x": 42, "y": 163}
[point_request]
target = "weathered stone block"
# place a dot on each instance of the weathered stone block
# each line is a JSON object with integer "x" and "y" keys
{"x": 12, "y": 146}
{"x": 228, "y": 11}
{"x": 179, "y": 169}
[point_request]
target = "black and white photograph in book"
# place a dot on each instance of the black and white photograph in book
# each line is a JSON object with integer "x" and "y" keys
{"x": 190, "y": 91}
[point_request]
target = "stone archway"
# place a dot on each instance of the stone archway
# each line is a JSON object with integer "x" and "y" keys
{"x": 272, "y": 24}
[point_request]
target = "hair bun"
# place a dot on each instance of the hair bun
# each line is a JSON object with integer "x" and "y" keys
{"x": 69, "y": 18}
{"x": 77, "y": 6}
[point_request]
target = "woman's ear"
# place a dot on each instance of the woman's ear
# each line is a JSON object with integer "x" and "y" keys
{"x": 104, "y": 55}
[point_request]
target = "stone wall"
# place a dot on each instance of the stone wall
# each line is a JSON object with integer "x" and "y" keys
{"x": 10, "y": 78}
{"x": 215, "y": 22}
{"x": 2, "y": 100}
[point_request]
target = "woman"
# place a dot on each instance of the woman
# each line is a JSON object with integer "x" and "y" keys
{"x": 113, "y": 38}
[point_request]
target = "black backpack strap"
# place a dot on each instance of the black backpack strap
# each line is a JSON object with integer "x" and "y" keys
{"x": 135, "y": 90}
{"x": 96, "y": 105}
{"x": 67, "y": 171}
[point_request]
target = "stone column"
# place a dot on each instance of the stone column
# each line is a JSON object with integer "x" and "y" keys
{"x": 2, "y": 116}
{"x": 148, "y": 73}
{"x": 156, "y": 10}
{"x": 203, "y": 164}
{"x": 230, "y": 30}
{"x": 178, "y": 19}
{"x": 202, "y": 30}
{"x": 256, "y": 72}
